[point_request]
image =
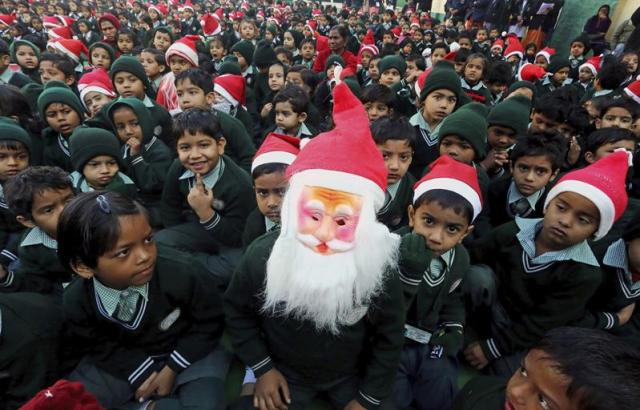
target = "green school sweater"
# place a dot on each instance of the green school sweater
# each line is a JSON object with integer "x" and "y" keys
{"x": 482, "y": 393}
{"x": 121, "y": 184}
{"x": 394, "y": 213}
{"x": 181, "y": 319}
{"x": 233, "y": 192}
{"x": 239, "y": 146}
{"x": 244, "y": 117}
{"x": 10, "y": 231}
{"x": 56, "y": 150}
{"x": 370, "y": 347}
{"x": 254, "y": 228}
{"x": 536, "y": 297}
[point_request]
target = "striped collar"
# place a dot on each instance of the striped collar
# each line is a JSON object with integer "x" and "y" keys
{"x": 616, "y": 257}
{"x": 64, "y": 145}
{"x": 514, "y": 195}
{"x": 37, "y": 236}
{"x": 476, "y": 87}
{"x": 303, "y": 131}
{"x": 147, "y": 101}
{"x": 211, "y": 179}
{"x": 3, "y": 204}
{"x": 110, "y": 297}
{"x": 126, "y": 148}
{"x": 80, "y": 182}
{"x": 429, "y": 136}
{"x": 269, "y": 224}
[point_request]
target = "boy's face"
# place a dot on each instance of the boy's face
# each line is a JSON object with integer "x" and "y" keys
{"x": 585, "y": 75}
{"x": 46, "y": 209}
{"x": 100, "y": 58}
{"x": 62, "y": 118}
{"x": 615, "y": 117}
{"x": 577, "y": 49}
{"x": 270, "y": 189}
{"x": 542, "y": 62}
{"x": 390, "y": 77}
{"x": 376, "y": 110}
{"x": 374, "y": 74}
{"x": 388, "y": 39}
{"x": 631, "y": 60}
{"x": 437, "y": 55}
{"x": 397, "y": 155}
{"x": 216, "y": 49}
{"x": 151, "y": 67}
{"x": 532, "y": 173}
{"x": 12, "y": 162}
{"x": 609, "y": 148}
{"x": 100, "y": 171}
{"x": 287, "y": 119}
{"x": 481, "y": 36}
{"x": 438, "y": 104}
{"x": 308, "y": 51}
{"x": 283, "y": 58}
{"x": 473, "y": 70}
{"x": 457, "y": 148}
{"x": 465, "y": 43}
{"x": 190, "y": 95}
{"x": 459, "y": 67}
{"x": 178, "y": 64}
{"x": 442, "y": 228}
{"x": 247, "y": 31}
{"x": 126, "y": 124}
{"x": 161, "y": 41}
{"x": 538, "y": 381}
{"x": 497, "y": 88}
{"x": 561, "y": 75}
{"x": 541, "y": 123}
{"x": 199, "y": 152}
{"x": 500, "y": 138}
{"x": 48, "y": 72}
{"x": 26, "y": 57}
{"x": 294, "y": 78}
{"x": 241, "y": 60}
{"x": 417, "y": 36}
{"x": 569, "y": 219}
{"x": 276, "y": 78}
{"x": 95, "y": 100}
{"x": 125, "y": 45}
{"x": 128, "y": 85}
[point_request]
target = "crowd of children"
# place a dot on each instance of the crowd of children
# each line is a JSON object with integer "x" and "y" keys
{"x": 144, "y": 148}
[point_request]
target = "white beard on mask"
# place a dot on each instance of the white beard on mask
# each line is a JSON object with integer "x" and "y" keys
{"x": 328, "y": 290}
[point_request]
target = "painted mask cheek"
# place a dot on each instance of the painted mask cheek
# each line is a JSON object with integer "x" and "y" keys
{"x": 347, "y": 232}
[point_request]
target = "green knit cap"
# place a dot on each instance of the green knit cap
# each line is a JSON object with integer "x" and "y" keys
{"x": 87, "y": 143}
{"x": 245, "y": 48}
{"x": 557, "y": 63}
{"x": 130, "y": 64}
{"x": 230, "y": 66}
{"x": 59, "y": 92}
{"x": 144, "y": 116}
{"x": 264, "y": 55}
{"x": 392, "y": 61}
{"x": 522, "y": 84}
{"x": 466, "y": 123}
{"x": 106, "y": 47}
{"x": 512, "y": 113}
{"x": 12, "y": 131}
{"x": 14, "y": 47}
{"x": 441, "y": 78}
{"x": 333, "y": 59}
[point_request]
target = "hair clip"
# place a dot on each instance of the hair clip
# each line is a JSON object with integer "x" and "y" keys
{"x": 103, "y": 203}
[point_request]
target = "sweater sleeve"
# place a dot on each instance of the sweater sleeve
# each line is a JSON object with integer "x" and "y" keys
{"x": 172, "y": 200}
{"x": 149, "y": 170}
{"x": 31, "y": 275}
{"x": 240, "y": 146}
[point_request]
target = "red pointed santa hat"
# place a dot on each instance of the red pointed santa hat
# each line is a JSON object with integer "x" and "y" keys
{"x": 98, "y": 81}
{"x": 74, "y": 49}
{"x": 276, "y": 149}
{"x": 312, "y": 25}
{"x": 219, "y": 13}
{"x": 260, "y": 13}
{"x": 369, "y": 39}
{"x": 158, "y": 8}
{"x": 60, "y": 32}
{"x": 396, "y": 32}
{"x": 546, "y": 52}
{"x": 63, "y": 395}
{"x": 450, "y": 175}
{"x": 603, "y": 183}
{"x": 633, "y": 91}
{"x": 593, "y": 64}
{"x": 499, "y": 43}
{"x": 415, "y": 22}
{"x": 7, "y": 19}
{"x": 185, "y": 48}
{"x": 345, "y": 158}
{"x": 514, "y": 47}
{"x": 245, "y": 6}
{"x": 421, "y": 79}
{"x": 210, "y": 25}
{"x": 316, "y": 13}
{"x": 50, "y": 22}
{"x": 231, "y": 87}
{"x": 65, "y": 20}
{"x": 187, "y": 5}
{"x": 531, "y": 72}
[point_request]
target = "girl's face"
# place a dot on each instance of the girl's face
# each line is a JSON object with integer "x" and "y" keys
{"x": 308, "y": 51}
{"x": 94, "y": 101}
{"x": 417, "y": 36}
{"x": 247, "y": 31}
{"x": 154, "y": 15}
{"x": 26, "y": 57}
{"x": 161, "y": 41}
{"x": 241, "y": 60}
{"x": 631, "y": 60}
{"x": 407, "y": 49}
{"x": 585, "y": 75}
{"x": 283, "y": 58}
{"x": 531, "y": 51}
{"x": 100, "y": 171}
{"x": 542, "y": 62}
{"x": 178, "y": 64}
{"x": 125, "y": 43}
{"x": 288, "y": 41}
{"x": 125, "y": 121}
{"x": 437, "y": 55}
{"x": 216, "y": 49}
{"x": 132, "y": 261}
{"x": 83, "y": 27}
{"x": 151, "y": 66}
{"x": 100, "y": 58}
{"x": 390, "y": 77}
{"x": 577, "y": 49}
{"x": 276, "y": 77}
{"x": 365, "y": 58}
{"x": 128, "y": 85}
{"x": 374, "y": 74}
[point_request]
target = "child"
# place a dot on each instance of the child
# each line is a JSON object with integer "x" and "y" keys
{"x": 618, "y": 113}
{"x": 432, "y": 264}
{"x": 378, "y": 100}
{"x": 284, "y": 56}
{"x": 180, "y": 56}
{"x": 372, "y": 70}
{"x": 162, "y": 38}
{"x": 95, "y": 156}
{"x": 586, "y": 75}
{"x": 27, "y": 56}
{"x": 307, "y": 52}
{"x": 630, "y": 59}
{"x": 146, "y": 158}
{"x": 579, "y": 47}
{"x": 498, "y": 80}
{"x": 230, "y": 98}
{"x": 439, "y": 52}
{"x": 291, "y": 106}
{"x": 438, "y": 98}
{"x": 557, "y": 75}
{"x": 395, "y": 138}
{"x": 37, "y": 196}
{"x": 217, "y": 50}
{"x": 7, "y": 75}
{"x": 248, "y": 31}
{"x": 482, "y": 44}
{"x": 155, "y": 66}
{"x": 546, "y": 116}
{"x": 534, "y": 163}
{"x": 475, "y": 70}
{"x": 161, "y": 315}
{"x": 101, "y": 55}
{"x": 243, "y": 50}
{"x": 605, "y": 141}
{"x": 391, "y": 69}
{"x": 63, "y": 112}
{"x": 269, "y": 183}
{"x": 292, "y": 40}
{"x": 57, "y": 67}
{"x": 276, "y": 75}
{"x": 126, "y": 41}
{"x": 545, "y": 270}
{"x": 96, "y": 90}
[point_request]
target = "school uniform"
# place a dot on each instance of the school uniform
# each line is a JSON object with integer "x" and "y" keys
{"x": 426, "y": 148}
{"x": 120, "y": 183}
{"x": 394, "y": 213}
{"x": 14, "y": 78}
{"x": 56, "y": 150}
{"x": 241, "y": 114}
{"x": 256, "y": 226}
{"x": 545, "y": 86}
{"x": 123, "y": 336}
{"x": 582, "y": 89}
{"x": 483, "y": 48}
{"x": 240, "y": 147}
{"x": 575, "y": 63}
{"x": 249, "y": 75}
{"x": 478, "y": 93}
{"x": 506, "y": 202}
{"x": 10, "y": 232}
{"x": 482, "y": 393}
{"x": 313, "y": 360}
{"x": 305, "y": 131}
{"x": 191, "y": 26}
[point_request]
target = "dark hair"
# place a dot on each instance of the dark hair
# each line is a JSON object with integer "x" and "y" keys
{"x": 550, "y": 108}
{"x": 440, "y": 45}
{"x": 537, "y": 144}
{"x": 624, "y": 103}
{"x": 418, "y": 60}
{"x": 308, "y": 76}
{"x": 482, "y": 57}
{"x": 14, "y": 103}
{"x": 89, "y": 226}
{"x": 607, "y": 136}
{"x": 378, "y": 93}
{"x": 388, "y": 49}
{"x": 217, "y": 39}
{"x": 198, "y": 77}
{"x": 61, "y": 62}
{"x": 612, "y": 75}
{"x": 462, "y": 55}
{"x": 604, "y": 370}
{"x": 499, "y": 73}
{"x": 157, "y": 55}
{"x": 4, "y": 48}
{"x": 465, "y": 34}
{"x": 21, "y": 190}
{"x": 294, "y": 95}
{"x": 308, "y": 41}
{"x": 342, "y": 31}
{"x": 127, "y": 32}
{"x": 448, "y": 200}
{"x": 196, "y": 120}
{"x": 282, "y": 50}
{"x": 278, "y": 63}
{"x": 386, "y": 128}
{"x": 269, "y": 168}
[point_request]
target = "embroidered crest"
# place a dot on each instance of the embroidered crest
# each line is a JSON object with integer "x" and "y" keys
{"x": 170, "y": 319}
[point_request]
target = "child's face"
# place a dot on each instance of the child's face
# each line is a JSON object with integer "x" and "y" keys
{"x": 132, "y": 261}
{"x": 388, "y": 39}
{"x": 532, "y": 173}
{"x": 26, "y": 57}
{"x": 376, "y": 109}
{"x": 585, "y": 75}
{"x": 390, "y": 77}
{"x": 542, "y": 62}
{"x": 608, "y": 149}
{"x": 407, "y": 49}
{"x": 48, "y": 72}
{"x": 458, "y": 66}
{"x": 473, "y": 70}
{"x": 437, "y": 55}
{"x": 190, "y": 95}
{"x": 418, "y": 36}
{"x": 100, "y": 58}
{"x": 128, "y": 85}
{"x": 199, "y": 152}
{"x": 542, "y": 123}
{"x": 46, "y": 209}
{"x": 438, "y": 104}
{"x": 125, "y": 44}
{"x": 442, "y": 228}
{"x": 62, "y": 118}
{"x": 497, "y": 88}
{"x": 465, "y": 43}
{"x": 615, "y": 117}
{"x": 294, "y": 78}
{"x": 268, "y": 36}
{"x": 500, "y": 138}
{"x": 481, "y": 36}
{"x": 365, "y": 58}
{"x": 270, "y": 189}
{"x": 631, "y": 60}
{"x": 287, "y": 119}
{"x": 282, "y": 57}
{"x": 100, "y": 171}
{"x": 397, "y": 155}
{"x": 276, "y": 77}
{"x": 94, "y": 101}
{"x": 569, "y": 219}
{"x": 126, "y": 124}
{"x": 561, "y": 75}
{"x": 513, "y": 60}
{"x": 241, "y": 60}
{"x": 457, "y": 148}
{"x": 493, "y": 33}
{"x": 151, "y": 67}
{"x": 247, "y": 31}
{"x": 288, "y": 41}
{"x": 12, "y": 162}
{"x": 178, "y": 64}
{"x": 161, "y": 41}
{"x": 308, "y": 51}
{"x": 216, "y": 49}
{"x": 577, "y": 49}
{"x": 530, "y": 51}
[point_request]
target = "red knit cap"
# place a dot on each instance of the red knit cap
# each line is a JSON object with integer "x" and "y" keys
{"x": 231, "y": 87}
{"x": 64, "y": 395}
{"x": 185, "y": 48}
{"x": 633, "y": 91}
{"x": 110, "y": 18}
{"x": 276, "y": 149}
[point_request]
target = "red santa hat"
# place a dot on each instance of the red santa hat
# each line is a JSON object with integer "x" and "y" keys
{"x": 514, "y": 47}
{"x": 421, "y": 79}
{"x": 185, "y": 48}
{"x": 98, "y": 81}
{"x": 65, "y": 20}
{"x": 633, "y": 91}
{"x": 593, "y": 64}
{"x": 415, "y": 22}
{"x": 210, "y": 25}
{"x": 499, "y": 43}
{"x": 276, "y": 149}
{"x": 231, "y": 87}
{"x": 531, "y": 72}
{"x": 51, "y": 22}
{"x": 260, "y": 13}
{"x": 312, "y": 25}
{"x": 451, "y": 56}
{"x": 546, "y": 52}
{"x": 7, "y": 19}
{"x": 450, "y": 175}
{"x": 187, "y": 5}
{"x": 245, "y": 6}
{"x": 60, "y": 32}
{"x": 345, "y": 158}
{"x": 159, "y": 8}
{"x": 369, "y": 39}
{"x": 74, "y": 49}
{"x": 396, "y": 32}
{"x": 219, "y": 13}
{"x": 603, "y": 183}
{"x": 316, "y": 13}
{"x": 63, "y": 395}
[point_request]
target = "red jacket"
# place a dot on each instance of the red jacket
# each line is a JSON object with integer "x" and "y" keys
{"x": 350, "y": 59}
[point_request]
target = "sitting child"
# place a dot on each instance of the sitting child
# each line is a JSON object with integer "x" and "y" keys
{"x": 378, "y": 100}
{"x": 96, "y": 90}
{"x": 291, "y": 107}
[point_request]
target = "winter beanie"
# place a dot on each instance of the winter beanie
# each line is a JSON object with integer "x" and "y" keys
{"x": 104, "y": 46}
{"x": 130, "y": 64}
{"x": 467, "y": 123}
{"x": 14, "y": 47}
{"x": 392, "y": 61}
{"x": 264, "y": 55}
{"x": 441, "y": 77}
{"x": 11, "y": 130}
{"x": 144, "y": 116}
{"x": 512, "y": 113}
{"x": 59, "y": 92}
{"x": 87, "y": 143}
{"x": 246, "y": 49}
{"x": 557, "y": 63}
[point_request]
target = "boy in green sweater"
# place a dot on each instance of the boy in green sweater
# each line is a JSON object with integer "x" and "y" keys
{"x": 541, "y": 273}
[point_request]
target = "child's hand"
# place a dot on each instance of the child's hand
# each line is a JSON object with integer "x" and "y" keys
{"x": 475, "y": 356}
{"x": 143, "y": 391}
{"x": 494, "y": 160}
{"x": 573, "y": 154}
{"x": 271, "y": 392}
{"x": 625, "y": 313}
{"x": 160, "y": 385}
{"x": 354, "y": 405}
{"x": 134, "y": 146}
{"x": 200, "y": 199}
{"x": 266, "y": 110}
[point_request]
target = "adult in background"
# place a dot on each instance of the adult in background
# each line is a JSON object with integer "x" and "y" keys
{"x": 633, "y": 43}
{"x": 596, "y": 28}
{"x": 338, "y": 36}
